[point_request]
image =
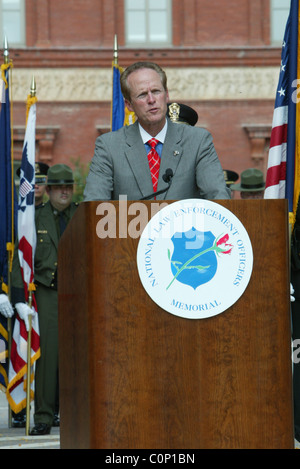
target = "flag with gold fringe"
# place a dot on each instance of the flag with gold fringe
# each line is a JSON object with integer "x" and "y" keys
{"x": 283, "y": 173}
{"x": 120, "y": 115}
{"x": 8, "y": 210}
{"x": 16, "y": 389}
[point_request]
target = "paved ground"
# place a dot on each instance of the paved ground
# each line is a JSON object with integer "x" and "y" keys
{"x": 15, "y": 438}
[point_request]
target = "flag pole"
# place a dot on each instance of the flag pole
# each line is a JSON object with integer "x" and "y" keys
{"x": 116, "y": 50}
{"x": 6, "y": 52}
{"x": 114, "y": 64}
{"x": 9, "y": 331}
{"x": 28, "y": 388}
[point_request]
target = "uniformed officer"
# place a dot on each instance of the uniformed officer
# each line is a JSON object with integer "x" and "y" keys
{"x": 51, "y": 219}
{"x": 230, "y": 177}
{"x": 41, "y": 170}
{"x": 182, "y": 114}
{"x": 252, "y": 185}
{"x": 295, "y": 306}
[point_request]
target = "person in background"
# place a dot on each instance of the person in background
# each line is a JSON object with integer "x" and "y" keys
{"x": 51, "y": 220}
{"x": 41, "y": 170}
{"x": 133, "y": 160}
{"x": 230, "y": 177}
{"x": 295, "y": 307}
{"x": 252, "y": 185}
{"x": 182, "y": 114}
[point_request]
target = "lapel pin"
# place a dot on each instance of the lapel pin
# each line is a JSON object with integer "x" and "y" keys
{"x": 176, "y": 153}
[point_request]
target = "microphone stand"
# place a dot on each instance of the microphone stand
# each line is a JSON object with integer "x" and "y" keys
{"x": 156, "y": 193}
{"x": 167, "y": 177}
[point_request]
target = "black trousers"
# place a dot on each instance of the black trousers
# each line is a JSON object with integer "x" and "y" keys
{"x": 46, "y": 377}
{"x": 295, "y": 279}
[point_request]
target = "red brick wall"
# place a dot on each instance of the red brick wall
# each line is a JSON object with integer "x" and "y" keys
{"x": 220, "y": 23}
{"x": 75, "y": 33}
{"x": 79, "y": 127}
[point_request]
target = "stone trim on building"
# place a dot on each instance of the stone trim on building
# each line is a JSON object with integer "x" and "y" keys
{"x": 197, "y": 84}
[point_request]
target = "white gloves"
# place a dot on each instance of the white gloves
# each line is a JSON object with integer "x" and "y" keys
{"x": 23, "y": 309}
{"x": 6, "y": 308}
{"x": 292, "y": 291}
{"x": 24, "y": 312}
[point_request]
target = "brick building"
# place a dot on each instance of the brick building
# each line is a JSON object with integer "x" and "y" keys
{"x": 221, "y": 57}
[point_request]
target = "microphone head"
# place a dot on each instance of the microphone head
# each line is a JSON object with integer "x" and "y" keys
{"x": 168, "y": 175}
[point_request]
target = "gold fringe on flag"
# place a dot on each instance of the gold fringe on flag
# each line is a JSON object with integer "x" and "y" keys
{"x": 5, "y": 67}
{"x": 30, "y": 101}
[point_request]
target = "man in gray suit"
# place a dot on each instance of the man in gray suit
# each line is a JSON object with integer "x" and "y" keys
{"x": 120, "y": 164}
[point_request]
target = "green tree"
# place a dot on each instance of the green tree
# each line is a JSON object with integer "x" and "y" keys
{"x": 80, "y": 172}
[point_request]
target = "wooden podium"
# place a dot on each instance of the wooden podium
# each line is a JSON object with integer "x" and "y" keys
{"x": 133, "y": 376}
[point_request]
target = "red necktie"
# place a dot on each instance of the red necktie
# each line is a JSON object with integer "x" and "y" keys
{"x": 154, "y": 162}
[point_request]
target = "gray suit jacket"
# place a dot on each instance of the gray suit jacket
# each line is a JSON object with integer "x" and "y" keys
{"x": 120, "y": 166}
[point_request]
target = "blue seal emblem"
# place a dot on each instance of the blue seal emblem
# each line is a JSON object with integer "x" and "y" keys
{"x": 193, "y": 262}
{"x": 194, "y": 259}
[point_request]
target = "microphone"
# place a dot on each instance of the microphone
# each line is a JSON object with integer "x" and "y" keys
{"x": 167, "y": 177}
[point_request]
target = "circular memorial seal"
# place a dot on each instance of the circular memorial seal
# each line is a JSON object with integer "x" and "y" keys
{"x": 194, "y": 258}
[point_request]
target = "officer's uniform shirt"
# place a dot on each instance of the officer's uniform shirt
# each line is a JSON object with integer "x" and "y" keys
{"x": 61, "y": 219}
{"x": 45, "y": 260}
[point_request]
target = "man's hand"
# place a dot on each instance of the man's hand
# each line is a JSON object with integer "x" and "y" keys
{"x": 6, "y": 308}
{"x": 24, "y": 312}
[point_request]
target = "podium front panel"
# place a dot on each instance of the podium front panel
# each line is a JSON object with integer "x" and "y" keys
{"x": 133, "y": 376}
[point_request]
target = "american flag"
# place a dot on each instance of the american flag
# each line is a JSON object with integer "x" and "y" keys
{"x": 25, "y": 188}
{"x": 16, "y": 391}
{"x": 282, "y": 162}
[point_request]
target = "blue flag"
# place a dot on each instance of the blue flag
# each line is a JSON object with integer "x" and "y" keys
{"x": 8, "y": 208}
{"x": 118, "y": 106}
{"x": 120, "y": 115}
{"x": 291, "y": 160}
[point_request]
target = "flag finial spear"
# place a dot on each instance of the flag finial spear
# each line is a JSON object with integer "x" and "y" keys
{"x": 116, "y": 50}
{"x": 6, "y": 51}
{"x": 33, "y": 87}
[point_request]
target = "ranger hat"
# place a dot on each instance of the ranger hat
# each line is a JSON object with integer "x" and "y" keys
{"x": 40, "y": 170}
{"x": 230, "y": 177}
{"x": 252, "y": 180}
{"x": 181, "y": 113}
{"x": 60, "y": 174}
